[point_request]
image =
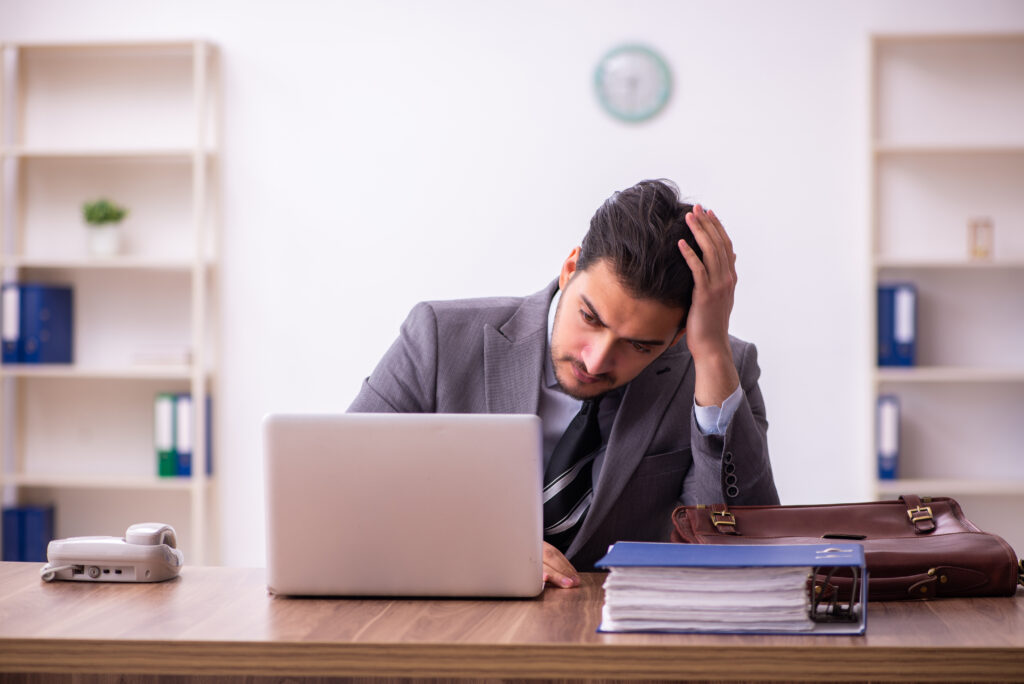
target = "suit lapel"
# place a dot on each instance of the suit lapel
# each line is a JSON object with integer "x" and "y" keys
{"x": 642, "y": 410}
{"x": 514, "y": 354}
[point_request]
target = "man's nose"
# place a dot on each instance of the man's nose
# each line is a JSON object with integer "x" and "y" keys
{"x": 598, "y": 356}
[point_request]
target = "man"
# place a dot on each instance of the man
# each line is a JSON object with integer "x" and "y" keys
{"x": 657, "y": 423}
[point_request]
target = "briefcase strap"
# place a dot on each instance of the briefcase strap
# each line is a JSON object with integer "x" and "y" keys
{"x": 919, "y": 515}
{"x": 722, "y": 518}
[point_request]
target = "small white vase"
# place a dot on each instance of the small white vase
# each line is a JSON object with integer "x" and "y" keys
{"x": 104, "y": 240}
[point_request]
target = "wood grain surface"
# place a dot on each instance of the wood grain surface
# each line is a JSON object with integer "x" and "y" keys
{"x": 221, "y": 622}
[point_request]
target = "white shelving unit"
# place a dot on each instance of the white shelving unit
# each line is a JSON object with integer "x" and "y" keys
{"x": 947, "y": 136}
{"x": 138, "y": 123}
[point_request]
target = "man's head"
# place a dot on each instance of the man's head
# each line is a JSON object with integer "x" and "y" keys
{"x": 637, "y": 231}
{"x": 626, "y": 291}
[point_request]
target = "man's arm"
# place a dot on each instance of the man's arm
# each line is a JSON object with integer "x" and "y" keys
{"x": 405, "y": 379}
{"x": 707, "y": 325}
{"x": 733, "y": 467}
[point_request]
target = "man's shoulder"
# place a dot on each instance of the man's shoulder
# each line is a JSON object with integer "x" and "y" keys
{"x": 738, "y": 344}
{"x": 444, "y": 307}
{"x": 493, "y": 310}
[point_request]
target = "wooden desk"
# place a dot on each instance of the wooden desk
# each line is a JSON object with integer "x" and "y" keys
{"x": 221, "y": 621}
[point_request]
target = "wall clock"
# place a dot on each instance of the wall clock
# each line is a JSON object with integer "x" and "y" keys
{"x": 633, "y": 83}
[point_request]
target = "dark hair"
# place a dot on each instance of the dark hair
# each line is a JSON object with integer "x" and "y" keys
{"x": 637, "y": 230}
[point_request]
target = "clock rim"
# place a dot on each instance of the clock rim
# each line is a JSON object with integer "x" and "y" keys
{"x": 663, "y": 69}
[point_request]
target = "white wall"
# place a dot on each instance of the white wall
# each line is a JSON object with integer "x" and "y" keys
{"x": 380, "y": 153}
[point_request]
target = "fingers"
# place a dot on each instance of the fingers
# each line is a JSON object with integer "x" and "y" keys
{"x": 717, "y": 226}
{"x": 700, "y": 275}
{"x": 714, "y": 242}
{"x": 558, "y": 571}
{"x": 726, "y": 241}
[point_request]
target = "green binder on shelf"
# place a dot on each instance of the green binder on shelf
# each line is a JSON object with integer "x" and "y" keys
{"x": 163, "y": 434}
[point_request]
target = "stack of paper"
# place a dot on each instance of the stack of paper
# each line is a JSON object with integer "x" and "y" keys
{"x": 716, "y": 588}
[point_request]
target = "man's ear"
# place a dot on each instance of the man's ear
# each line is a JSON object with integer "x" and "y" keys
{"x": 568, "y": 268}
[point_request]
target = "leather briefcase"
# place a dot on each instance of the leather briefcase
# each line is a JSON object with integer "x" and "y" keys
{"x": 915, "y": 548}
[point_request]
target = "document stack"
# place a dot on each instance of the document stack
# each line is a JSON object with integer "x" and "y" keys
{"x": 801, "y": 589}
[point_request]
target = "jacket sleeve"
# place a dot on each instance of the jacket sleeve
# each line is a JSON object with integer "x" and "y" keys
{"x": 405, "y": 379}
{"x": 734, "y": 468}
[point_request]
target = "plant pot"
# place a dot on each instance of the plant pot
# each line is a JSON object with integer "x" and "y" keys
{"x": 104, "y": 240}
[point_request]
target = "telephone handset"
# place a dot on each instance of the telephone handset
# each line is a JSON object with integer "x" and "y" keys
{"x": 146, "y": 553}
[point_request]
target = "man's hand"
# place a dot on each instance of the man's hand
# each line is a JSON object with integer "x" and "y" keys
{"x": 707, "y": 325}
{"x": 558, "y": 571}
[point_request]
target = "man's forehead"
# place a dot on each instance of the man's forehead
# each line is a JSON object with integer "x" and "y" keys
{"x": 629, "y": 316}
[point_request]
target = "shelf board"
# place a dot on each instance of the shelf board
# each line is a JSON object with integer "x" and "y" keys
{"x": 950, "y": 487}
{"x": 60, "y": 371}
{"x": 183, "y": 46}
{"x": 124, "y": 263}
{"x": 938, "y": 37}
{"x": 948, "y": 374}
{"x": 893, "y": 149}
{"x": 182, "y": 154}
{"x": 949, "y": 264}
{"x": 90, "y": 481}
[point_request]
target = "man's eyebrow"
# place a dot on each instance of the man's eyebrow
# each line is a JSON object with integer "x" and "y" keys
{"x": 597, "y": 316}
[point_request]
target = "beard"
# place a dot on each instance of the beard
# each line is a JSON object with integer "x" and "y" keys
{"x": 572, "y": 386}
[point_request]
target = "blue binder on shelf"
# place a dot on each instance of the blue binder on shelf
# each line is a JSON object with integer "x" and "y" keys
{"x": 663, "y": 587}
{"x": 12, "y": 534}
{"x": 10, "y": 331}
{"x": 897, "y": 324}
{"x": 184, "y": 434}
{"x": 27, "y": 531}
{"x": 38, "y": 325}
{"x": 888, "y": 437}
{"x": 38, "y": 533}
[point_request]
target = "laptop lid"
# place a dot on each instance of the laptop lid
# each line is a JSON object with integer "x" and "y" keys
{"x": 403, "y": 504}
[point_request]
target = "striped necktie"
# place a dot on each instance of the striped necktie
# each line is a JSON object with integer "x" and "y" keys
{"x": 568, "y": 477}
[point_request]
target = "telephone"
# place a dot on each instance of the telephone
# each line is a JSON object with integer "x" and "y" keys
{"x": 146, "y": 553}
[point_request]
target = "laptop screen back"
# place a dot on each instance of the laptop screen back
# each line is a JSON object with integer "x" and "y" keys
{"x": 403, "y": 504}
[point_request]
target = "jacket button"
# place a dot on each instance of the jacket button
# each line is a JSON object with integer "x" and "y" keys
{"x": 732, "y": 491}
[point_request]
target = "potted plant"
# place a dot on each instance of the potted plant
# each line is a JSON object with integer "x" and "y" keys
{"x": 104, "y": 219}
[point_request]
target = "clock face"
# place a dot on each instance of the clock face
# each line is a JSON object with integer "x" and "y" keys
{"x": 633, "y": 83}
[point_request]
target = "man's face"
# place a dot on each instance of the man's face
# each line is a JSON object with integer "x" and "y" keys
{"x": 603, "y": 337}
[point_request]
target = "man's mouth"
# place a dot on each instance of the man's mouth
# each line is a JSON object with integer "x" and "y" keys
{"x": 580, "y": 373}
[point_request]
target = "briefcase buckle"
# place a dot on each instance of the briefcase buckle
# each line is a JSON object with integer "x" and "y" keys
{"x": 722, "y": 518}
{"x": 919, "y": 514}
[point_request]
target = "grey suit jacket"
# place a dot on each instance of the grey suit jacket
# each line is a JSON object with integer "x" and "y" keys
{"x": 486, "y": 356}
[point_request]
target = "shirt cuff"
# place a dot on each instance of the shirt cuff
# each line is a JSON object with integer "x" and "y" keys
{"x": 714, "y": 420}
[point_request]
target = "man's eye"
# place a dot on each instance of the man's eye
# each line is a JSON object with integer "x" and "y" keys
{"x": 588, "y": 318}
{"x": 643, "y": 349}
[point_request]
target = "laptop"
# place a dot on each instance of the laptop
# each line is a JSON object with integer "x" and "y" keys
{"x": 403, "y": 505}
